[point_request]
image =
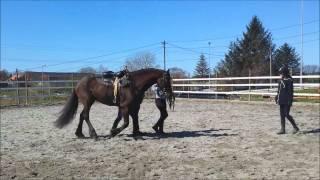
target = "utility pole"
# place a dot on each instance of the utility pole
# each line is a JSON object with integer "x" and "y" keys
{"x": 301, "y": 64}
{"x": 164, "y": 54}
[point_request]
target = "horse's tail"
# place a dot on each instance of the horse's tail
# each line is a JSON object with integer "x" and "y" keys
{"x": 68, "y": 112}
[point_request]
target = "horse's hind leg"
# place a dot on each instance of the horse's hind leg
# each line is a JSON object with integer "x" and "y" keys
{"x": 86, "y": 111}
{"x": 79, "y": 133}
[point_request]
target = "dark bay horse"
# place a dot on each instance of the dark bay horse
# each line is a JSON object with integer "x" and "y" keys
{"x": 158, "y": 127}
{"x": 90, "y": 89}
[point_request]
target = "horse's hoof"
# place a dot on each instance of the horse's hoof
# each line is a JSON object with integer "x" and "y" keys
{"x": 138, "y": 133}
{"x": 114, "y": 132}
{"x": 93, "y": 135}
{"x": 155, "y": 129}
{"x": 79, "y": 135}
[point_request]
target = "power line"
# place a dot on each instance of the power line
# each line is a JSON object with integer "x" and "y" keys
{"x": 297, "y": 35}
{"x": 186, "y": 49}
{"x": 109, "y": 61}
{"x": 237, "y": 35}
{"x": 99, "y": 56}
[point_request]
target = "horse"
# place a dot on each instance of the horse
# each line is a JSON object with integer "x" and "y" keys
{"x": 158, "y": 127}
{"x": 129, "y": 98}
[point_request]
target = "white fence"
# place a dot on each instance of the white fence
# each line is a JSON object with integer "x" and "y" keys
{"x": 27, "y": 92}
{"x": 264, "y": 89}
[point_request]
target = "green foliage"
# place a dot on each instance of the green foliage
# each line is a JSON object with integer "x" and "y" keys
{"x": 251, "y": 53}
{"x": 202, "y": 69}
{"x": 286, "y": 55}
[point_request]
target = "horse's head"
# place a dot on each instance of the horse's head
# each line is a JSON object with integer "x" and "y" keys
{"x": 165, "y": 84}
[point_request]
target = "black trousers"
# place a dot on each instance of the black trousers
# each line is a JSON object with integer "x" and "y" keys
{"x": 161, "y": 103}
{"x": 285, "y": 113}
{"x": 162, "y": 106}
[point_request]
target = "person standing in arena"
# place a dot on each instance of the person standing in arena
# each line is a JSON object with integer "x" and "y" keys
{"x": 160, "y": 100}
{"x": 284, "y": 99}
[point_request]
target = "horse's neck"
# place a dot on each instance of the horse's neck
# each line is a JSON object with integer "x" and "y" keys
{"x": 148, "y": 81}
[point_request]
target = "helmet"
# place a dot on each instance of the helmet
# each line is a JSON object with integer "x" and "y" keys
{"x": 284, "y": 71}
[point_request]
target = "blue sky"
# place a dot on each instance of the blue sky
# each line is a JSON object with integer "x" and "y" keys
{"x": 93, "y": 33}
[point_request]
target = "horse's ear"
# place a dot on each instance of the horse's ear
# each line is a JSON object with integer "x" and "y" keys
{"x": 168, "y": 71}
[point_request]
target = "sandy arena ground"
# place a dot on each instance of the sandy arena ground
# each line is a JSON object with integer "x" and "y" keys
{"x": 205, "y": 139}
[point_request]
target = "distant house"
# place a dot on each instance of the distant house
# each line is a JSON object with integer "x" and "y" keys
{"x": 46, "y": 76}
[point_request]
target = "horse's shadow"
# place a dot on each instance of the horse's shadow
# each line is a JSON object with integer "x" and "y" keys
{"x": 178, "y": 134}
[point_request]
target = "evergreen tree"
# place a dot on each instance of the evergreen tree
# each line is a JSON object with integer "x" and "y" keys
{"x": 202, "y": 70}
{"x": 251, "y": 53}
{"x": 286, "y": 55}
{"x": 255, "y": 49}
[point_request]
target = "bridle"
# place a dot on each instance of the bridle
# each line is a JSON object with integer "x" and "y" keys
{"x": 167, "y": 89}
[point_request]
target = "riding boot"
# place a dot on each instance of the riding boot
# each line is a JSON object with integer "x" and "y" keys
{"x": 294, "y": 125}
{"x": 283, "y": 124}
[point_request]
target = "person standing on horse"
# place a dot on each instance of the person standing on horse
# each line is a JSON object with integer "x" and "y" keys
{"x": 284, "y": 99}
{"x": 160, "y": 100}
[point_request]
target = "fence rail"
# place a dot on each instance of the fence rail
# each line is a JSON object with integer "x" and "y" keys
{"x": 247, "y": 78}
{"x": 264, "y": 88}
{"x": 23, "y": 92}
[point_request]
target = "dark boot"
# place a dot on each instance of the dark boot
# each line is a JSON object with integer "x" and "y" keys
{"x": 283, "y": 124}
{"x": 294, "y": 125}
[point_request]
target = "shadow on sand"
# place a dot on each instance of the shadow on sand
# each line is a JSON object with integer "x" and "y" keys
{"x": 175, "y": 134}
{"x": 184, "y": 134}
{"x": 311, "y": 131}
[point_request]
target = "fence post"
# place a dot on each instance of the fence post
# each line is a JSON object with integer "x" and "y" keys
{"x": 72, "y": 82}
{"x": 216, "y": 82}
{"x": 17, "y": 87}
{"x": 249, "y": 84}
{"x": 26, "y": 87}
{"x": 42, "y": 93}
{"x": 189, "y": 89}
{"x": 49, "y": 88}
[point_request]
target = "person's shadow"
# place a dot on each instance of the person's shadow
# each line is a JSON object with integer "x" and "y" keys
{"x": 311, "y": 131}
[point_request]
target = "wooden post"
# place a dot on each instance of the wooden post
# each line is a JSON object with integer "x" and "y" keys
{"x": 216, "y": 82}
{"x": 249, "y": 84}
{"x": 72, "y": 82}
{"x": 17, "y": 93}
{"x": 26, "y": 87}
{"x": 42, "y": 93}
{"x": 49, "y": 88}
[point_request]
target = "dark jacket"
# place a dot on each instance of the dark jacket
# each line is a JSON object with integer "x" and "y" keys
{"x": 285, "y": 92}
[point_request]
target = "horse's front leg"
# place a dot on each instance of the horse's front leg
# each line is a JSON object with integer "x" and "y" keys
{"x": 135, "y": 121}
{"x": 125, "y": 114}
{"x": 117, "y": 120}
{"x": 161, "y": 105}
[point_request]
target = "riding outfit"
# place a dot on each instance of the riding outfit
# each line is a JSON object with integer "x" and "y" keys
{"x": 160, "y": 101}
{"x": 284, "y": 99}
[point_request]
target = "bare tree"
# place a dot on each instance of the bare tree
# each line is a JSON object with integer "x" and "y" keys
{"x": 88, "y": 70}
{"x": 101, "y": 69}
{"x": 311, "y": 69}
{"x": 141, "y": 60}
{"x": 178, "y": 73}
{"x": 4, "y": 75}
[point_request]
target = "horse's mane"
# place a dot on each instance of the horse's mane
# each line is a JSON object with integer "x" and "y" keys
{"x": 143, "y": 71}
